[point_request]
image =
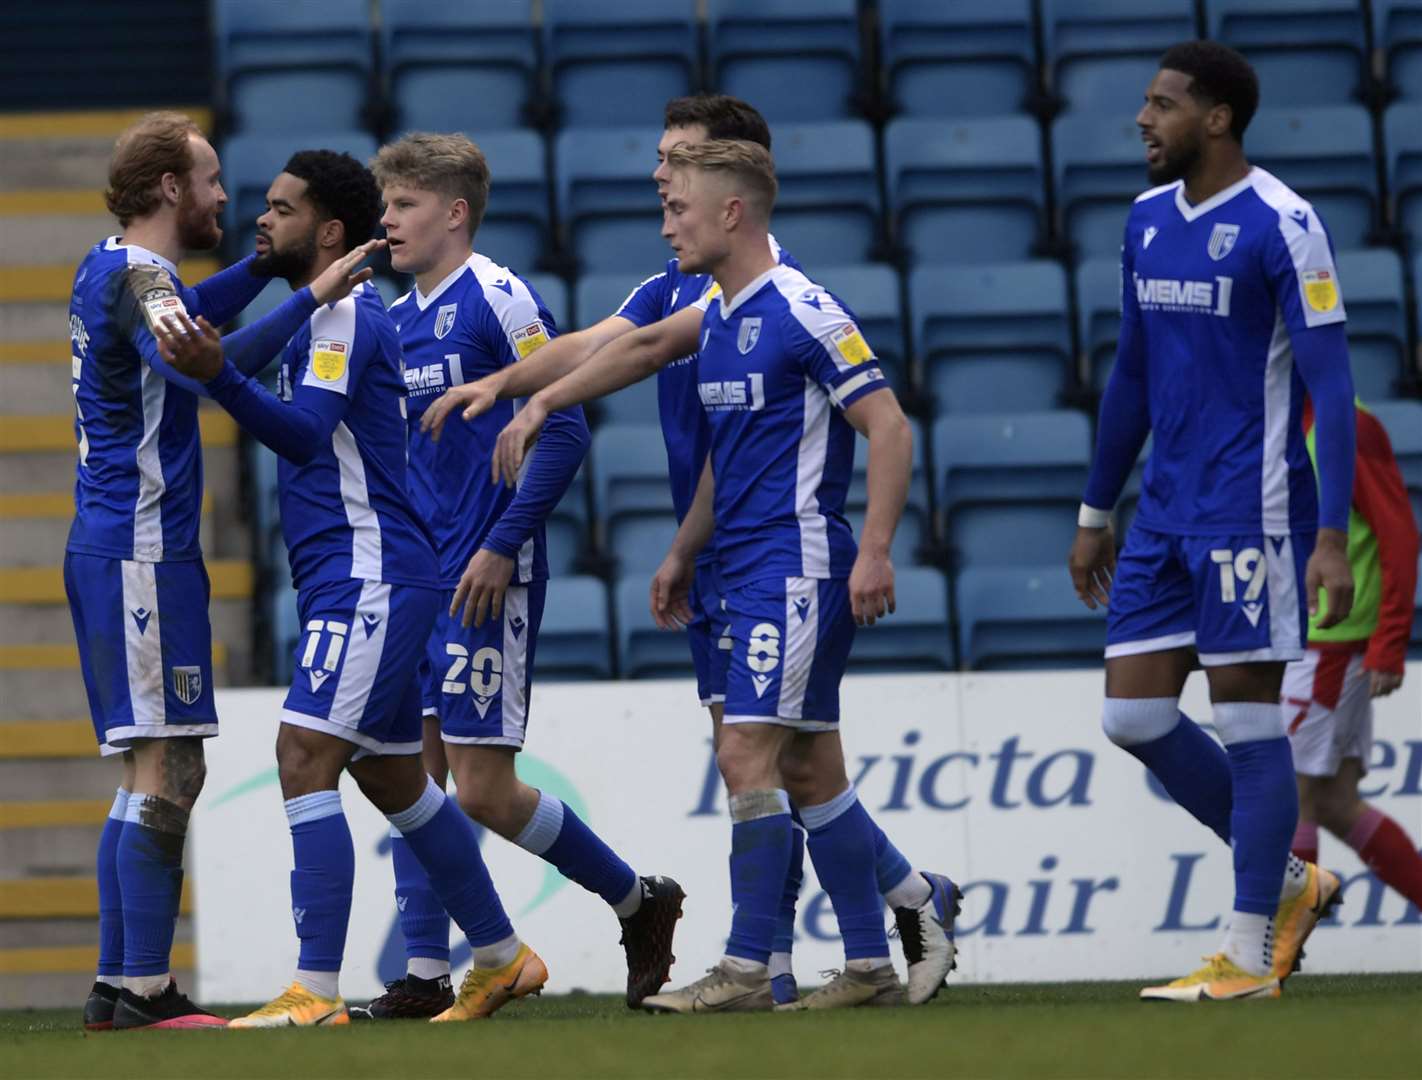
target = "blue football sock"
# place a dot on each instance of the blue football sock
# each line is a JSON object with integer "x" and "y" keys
{"x": 784, "y": 941}
{"x": 444, "y": 842}
{"x": 890, "y": 866}
{"x": 423, "y": 920}
{"x": 1194, "y": 770}
{"x": 149, "y": 858}
{"x": 762, "y": 839}
{"x": 322, "y": 878}
{"x": 110, "y": 894}
{"x": 1266, "y": 808}
{"x": 558, "y": 835}
{"x": 841, "y": 843}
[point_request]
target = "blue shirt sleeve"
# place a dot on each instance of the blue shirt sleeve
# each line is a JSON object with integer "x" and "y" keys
{"x": 647, "y": 303}
{"x": 222, "y": 297}
{"x": 295, "y": 430}
{"x": 1123, "y": 423}
{"x": 831, "y": 348}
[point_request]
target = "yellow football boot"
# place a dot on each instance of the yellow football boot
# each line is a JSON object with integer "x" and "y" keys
{"x": 1295, "y": 918}
{"x": 486, "y": 990}
{"x": 296, "y": 1007}
{"x": 1219, "y": 980}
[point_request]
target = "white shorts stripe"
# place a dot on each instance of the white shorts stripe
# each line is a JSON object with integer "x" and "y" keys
{"x": 1183, "y": 640}
{"x": 143, "y": 647}
{"x": 363, "y": 652}
{"x": 148, "y": 508}
{"x": 802, "y": 626}
{"x": 513, "y": 700}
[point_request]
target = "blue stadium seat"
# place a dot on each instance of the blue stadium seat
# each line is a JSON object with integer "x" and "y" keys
{"x": 1104, "y": 53}
{"x": 567, "y": 526}
{"x": 554, "y": 294}
{"x": 909, "y": 538}
{"x": 1397, "y": 34}
{"x": 857, "y": 496}
{"x": 965, "y": 191}
{"x": 1009, "y": 458}
{"x": 456, "y": 64}
{"x": 794, "y": 59}
{"x": 1402, "y": 131}
{"x": 1307, "y": 52}
{"x": 1377, "y": 320}
{"x": 1098, "y": 314}
{"x": 639, "y": 543}
{"x": 293, "y": 67}
{"x": 827, "y": 211}
{"x": 574, "y": 639}
{"x": 629, "y": 472}
{"x": 516, "y": 230}
{"x": 607, "y": 201}
{"x": 1325, "y": 153}
{"x": 872, "y": 293}
{"x": 616, "y": 62}
{"x": 916, "y": 636}
{"x": 643, "y": 650}
{"x": 1026, "y": 617}
{"x": 951, "y": 60}
{"x": 251, "y": 161}
{"x": 1004, "y": 331}
{"x": 1403, "y": 421}
{"x": 1100, "y": 168}
{"x": 597, "y": 297}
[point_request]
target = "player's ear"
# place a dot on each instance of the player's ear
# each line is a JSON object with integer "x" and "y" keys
{"x": 170, "y": 186}
{"x": 458, "y": 214}
{"x": 331, "y": 234}
{"x": 1218, "y": 120}
{"x": 733, "y": 212}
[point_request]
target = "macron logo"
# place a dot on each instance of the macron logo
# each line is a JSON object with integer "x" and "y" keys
{"x": 140, "y": 618}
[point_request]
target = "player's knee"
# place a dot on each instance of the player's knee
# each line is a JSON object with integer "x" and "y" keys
{"x": 746, "y": 761}
{"x": 1131, "y": 722}
{"x": 480, "y": 805}
{"x": 183, "y": 770}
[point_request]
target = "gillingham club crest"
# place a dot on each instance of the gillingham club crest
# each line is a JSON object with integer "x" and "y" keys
{"x": 748, "y": 335}
{"x": 1222, "y": 240}
{"x": 444, "y": 320}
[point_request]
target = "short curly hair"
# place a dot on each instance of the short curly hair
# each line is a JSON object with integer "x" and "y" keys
{"x": 342, "y": 188}
{"x": 1219, "y": 76}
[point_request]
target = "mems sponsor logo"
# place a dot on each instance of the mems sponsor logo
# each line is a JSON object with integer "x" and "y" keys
{"x": 1172, "y": 294}
{"x": 733, "y": 395}
{"x": 428, "y": 379}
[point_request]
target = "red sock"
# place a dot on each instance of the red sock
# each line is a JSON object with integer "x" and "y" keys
{"x": 1381, "y": 843}
{"x": 1305, "y": 844}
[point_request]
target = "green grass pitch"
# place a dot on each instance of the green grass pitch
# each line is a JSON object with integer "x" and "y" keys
{"x": 1325, "y": 1026}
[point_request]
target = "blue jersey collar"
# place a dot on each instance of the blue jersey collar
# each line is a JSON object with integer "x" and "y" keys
{"x": 141, "y": 254}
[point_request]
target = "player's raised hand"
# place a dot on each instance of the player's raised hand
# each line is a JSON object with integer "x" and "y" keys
{"x": 481, "y": 589}
{"x": 474, "y": 398}
{"x": 871, "y": 587}
{"x": 1092, "y": 562}
{"x": 515, "y": 440}
{"x": 193, "y": 349}
{"x": 671, "y": 592}
{"x": 339, "y": 279}
{"x": 1328, "y": 570}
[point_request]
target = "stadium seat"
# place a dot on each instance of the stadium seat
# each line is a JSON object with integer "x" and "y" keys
{"x": 827, "y": 212}
{"x": 796, "y": 60}
{"x": 629, "y": 472}
{"x": 951, "y": 60}
{"x": 1004, "y": 331}
{"x": 1004, "y": 458}
{"x": 1103, "y": 53}
{"x": 1377, "y": 320}
{"x": 567, "y": 526}
{"x": 554, "y": 294}
{"x": 872, "y": 294}
{"x": 1099, "y": 167}
{"x": 644, "y": 651}
{"x": 1325, "y": 153}
{"x": 910, "y": 537}
{"x": 616, "y": 62}
{"x": 607, "y": 201}
{"x": 856, "y": 497}
{"x": 1397, "y": 34}
{"x": 574, "y": 639}
{"x": 916, "y": 637}
{"x": 293, "y": 67}
{"x": 452, "y": 65}
{"x": 965, "y": 191}
{"x": 1098, "y": 315}
{"x": 1403, "y": 421}
{"x": 1402, "y": 131}
{"x": 1306, "y": 52}
{"x": 516, "y": 230}
{"x": 251, "y": 161}
{"x": 1026, "y": 617}
{"x": 597, "y": 297}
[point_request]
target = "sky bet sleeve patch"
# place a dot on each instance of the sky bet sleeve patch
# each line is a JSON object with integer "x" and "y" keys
{"x": 1320, "y": 290}
{"x": 328, "y": 360}
{"x": 157, "y": 296}
{"x": 530, "y": 337}
{"x": 850, "y": 343}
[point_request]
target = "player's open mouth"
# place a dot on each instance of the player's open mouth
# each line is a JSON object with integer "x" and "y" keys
{"x": 263, "y": 243}
{"x": 1154, "y": 151}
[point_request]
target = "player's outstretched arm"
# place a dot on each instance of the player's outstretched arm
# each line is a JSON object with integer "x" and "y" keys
{"x": 631, "y": 358}
{"x": 545, "y": 366}
{"x": 671, "y": 584}
{"x": 879, "y": 418}
{"x": 221, "y": 298}
{"x": 296, "y": 430}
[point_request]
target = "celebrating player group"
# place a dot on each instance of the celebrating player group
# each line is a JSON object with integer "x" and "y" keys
{"x": 422, "y": 448}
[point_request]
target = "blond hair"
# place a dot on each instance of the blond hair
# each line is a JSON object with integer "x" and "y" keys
{"x": 450, "y": 165}
{"x": 156, "y": 144}
{"x": 748, "y": 164}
